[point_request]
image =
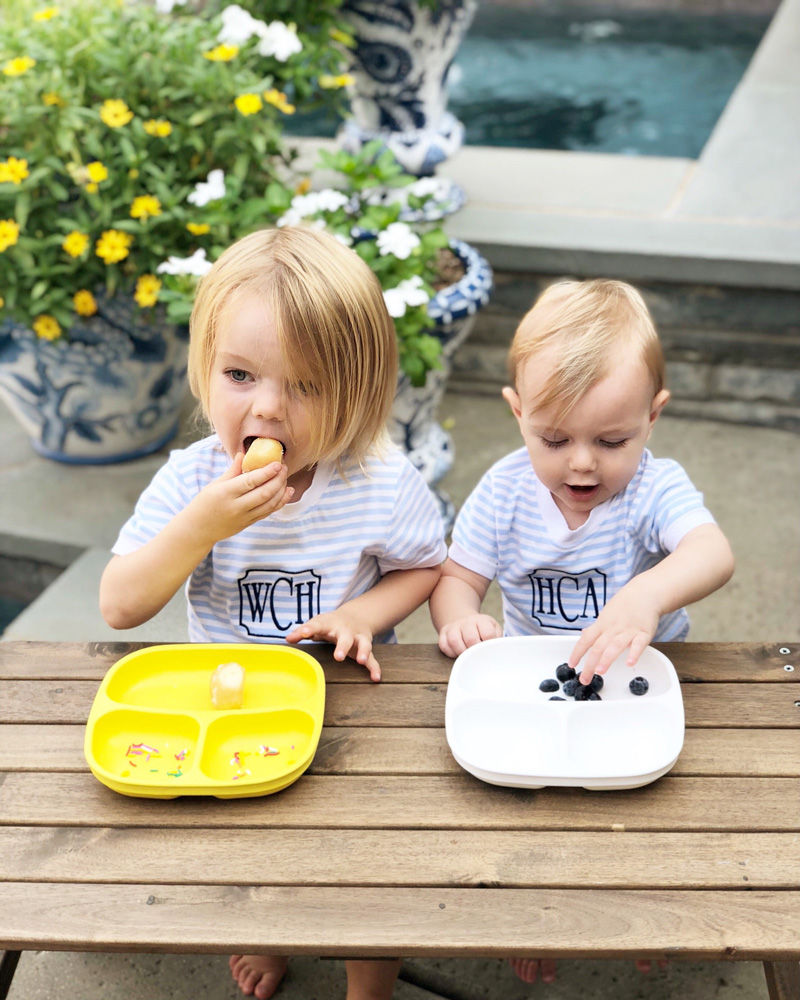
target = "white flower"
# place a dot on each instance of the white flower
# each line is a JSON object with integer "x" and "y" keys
{"x": 237, "y": 25}
{"x": 426, "y": 186}
{"x": 165, "y": 6}
{"x": 289, "y": 218}
{"x": 398, "y": 240}
{"x": 278, "y": 39}
{"x": 327, "y": 200}
{"x": 196, "y": 265}
{"x": 209, "y": 190}
{"x": 408, "y": 293}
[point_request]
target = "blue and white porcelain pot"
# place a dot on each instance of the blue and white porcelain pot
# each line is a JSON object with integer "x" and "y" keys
{"x": 413, "y": 424}
{"x": 400, "y": 62}
{"x": 113, "y": 392}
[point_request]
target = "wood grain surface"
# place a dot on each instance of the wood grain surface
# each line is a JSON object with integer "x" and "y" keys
{"x": 386, "y": 846}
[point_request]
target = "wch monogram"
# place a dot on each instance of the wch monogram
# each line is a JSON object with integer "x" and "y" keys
{"x": 272, "y": 602}
{"x": 567, "y": 601}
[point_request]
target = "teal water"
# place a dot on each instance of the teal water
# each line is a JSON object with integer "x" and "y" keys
{"x": 639, "y": 85}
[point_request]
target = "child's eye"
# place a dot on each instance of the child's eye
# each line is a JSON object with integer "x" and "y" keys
{"x": 237, "y": 375}
{"x": 614, "y": 444}
{"x": 553, "y": 444}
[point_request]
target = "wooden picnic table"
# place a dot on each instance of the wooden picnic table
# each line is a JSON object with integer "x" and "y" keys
{"x": 386, "y": 847}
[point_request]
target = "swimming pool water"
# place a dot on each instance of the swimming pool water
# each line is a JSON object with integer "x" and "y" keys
{"x": 642, "y": 85}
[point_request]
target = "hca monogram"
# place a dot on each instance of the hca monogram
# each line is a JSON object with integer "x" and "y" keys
{"x": 567, "y": 600}
{"x": 272, "y": 602}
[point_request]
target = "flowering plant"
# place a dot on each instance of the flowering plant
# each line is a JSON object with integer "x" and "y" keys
{"x": 135, "y": 137}
{"x": 368, "y": 211}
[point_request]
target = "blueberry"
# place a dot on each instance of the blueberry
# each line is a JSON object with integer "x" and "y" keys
{"x": 571, "y": 686}
{"x": 639, "y": 685}
{"x": 596, "y": 683}
{"x": 556, "y": 697}
{"x": 564, "y": 672}
{"x": 593, "y": 696}
{"x": 582, "y": 692}
{"x": 549, "y": 684}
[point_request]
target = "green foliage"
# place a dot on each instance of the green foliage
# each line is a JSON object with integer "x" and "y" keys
{"x": 59, "y": 66}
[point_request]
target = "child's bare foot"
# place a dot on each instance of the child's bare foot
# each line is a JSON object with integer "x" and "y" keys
{"x": 528, "y": 968}
{"x": 258, "y": 975}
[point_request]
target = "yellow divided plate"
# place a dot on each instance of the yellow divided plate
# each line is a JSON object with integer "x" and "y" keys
{"x": 153, "y": 731}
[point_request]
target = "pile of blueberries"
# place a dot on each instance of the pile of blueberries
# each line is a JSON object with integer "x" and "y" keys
{"x": 572, "y": 687}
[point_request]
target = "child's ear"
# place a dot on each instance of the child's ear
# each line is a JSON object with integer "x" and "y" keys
{"x": 511, "y": 396}
{"x": 659, "y": 402}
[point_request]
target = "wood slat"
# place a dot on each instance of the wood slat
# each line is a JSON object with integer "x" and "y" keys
{"x": 410, "y": 663}
{"x": 497, "y": 858}
{"x": 418, "y": 663}
{"x": 343, "y": 750}
{"x": 736, "y": 706}
{"x": 412, "y": 922}
{"x": 458, "y": 803}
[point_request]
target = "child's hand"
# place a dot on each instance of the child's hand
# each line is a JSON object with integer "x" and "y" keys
{"x": 352, "y": 637}
{"x": 236, "y": 500}
{"x": 628, "y": 621}
{"x": 458, "y": 635}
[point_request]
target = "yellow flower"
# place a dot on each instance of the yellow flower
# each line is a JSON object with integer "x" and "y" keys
{"x": 145, "y": 206}
{"x": 279, "y": 100}
{"x": 133, "y": 173}
{"x": 147, "y": 287}
{"x": 304, "y": 186}
{"x": 248, "y": 104}
{"x": 2, "y": 301}
{"x": 46, "y": 327}
{"x": 329, "y": 82}
{"x": 13, "y": 171}
{"x": 75, "y": 243}
{"x": 222, "y": 53}
{"x": 198, "y": 228}
{"x": 9, "y": 233}
{"x": 92, "y": 188}
{"x": 96, "y": 171}
{"x": 84, "y": 302}
{"x": 51, "y": 99}
{"x": 113, "y": 246}
{"x": 18, "y": 66}
{"x": 342, "y": 37}
{"x": 157, "y": 126}
{"x": 115, "y": 113}
{"x": 46, "y": 14}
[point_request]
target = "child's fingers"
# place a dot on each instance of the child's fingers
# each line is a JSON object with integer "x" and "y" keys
{"x": 638, "y": 646}
{"x": 374, "y": 667}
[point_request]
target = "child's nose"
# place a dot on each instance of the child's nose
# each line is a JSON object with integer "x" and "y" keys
{"x": 268, "y": 402}
{"x": 582, "y": 458}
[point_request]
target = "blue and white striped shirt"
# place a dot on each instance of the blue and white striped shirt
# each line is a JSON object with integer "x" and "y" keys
{"x": 555, "y": 580}
{"x": 333, "y": 544}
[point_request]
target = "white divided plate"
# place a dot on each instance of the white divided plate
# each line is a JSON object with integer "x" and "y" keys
{"x": 504, "y": 730}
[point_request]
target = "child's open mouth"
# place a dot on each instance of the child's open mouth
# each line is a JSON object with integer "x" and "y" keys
{"x": 248, "y": 441}
{"x": 582, "y": 492}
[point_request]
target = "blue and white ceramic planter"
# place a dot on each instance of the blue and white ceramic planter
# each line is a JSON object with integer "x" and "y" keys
{"x": 113, "y": 392}
{"x": 400, "y": 62}
{"x": 413, "y": 424}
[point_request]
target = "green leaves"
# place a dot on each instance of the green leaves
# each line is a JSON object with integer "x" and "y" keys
{"x": 93, "y": 51}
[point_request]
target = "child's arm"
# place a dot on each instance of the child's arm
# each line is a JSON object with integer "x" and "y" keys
{"x": 353, "y": 625}
{"x": 700, "y": 564}
{"x": 136, "y": 586}
{"x": 456, "y": 609}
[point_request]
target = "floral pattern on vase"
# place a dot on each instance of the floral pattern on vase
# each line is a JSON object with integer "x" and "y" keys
{"x": 413, "y": 425}
{"x": 113, "y": 392}
{"x": 400, "y": 63}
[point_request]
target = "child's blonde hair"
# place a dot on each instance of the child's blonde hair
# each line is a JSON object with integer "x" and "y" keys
{"x": 337, "y": 338}
{"x": 592, "y": 324}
